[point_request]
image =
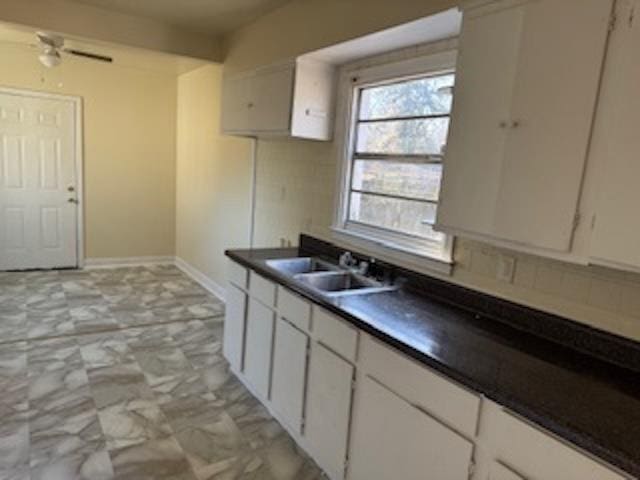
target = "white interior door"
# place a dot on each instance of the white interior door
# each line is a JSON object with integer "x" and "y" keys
{"x": 38, "y": 184}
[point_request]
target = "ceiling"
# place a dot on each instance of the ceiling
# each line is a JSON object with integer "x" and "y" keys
{"x": 213, "y": 17}
{"x": 24, "y": 39}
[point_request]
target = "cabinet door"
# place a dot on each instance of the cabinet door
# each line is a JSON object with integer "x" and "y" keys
{"x": 236, "y": 103}
{"x": 485, "y": 77}
{"x": 523, "y": 110}
{"x": 289, "y": 373}
{"x": 271, "y": 94}
{"x": 552, "y": 115}
{"x": 328, "y": 410}
{"x": 616, "y": 143}
{"x": 393, "y": 439}
{"x": 234, "y": 327}
{"x": 258, "y": 347}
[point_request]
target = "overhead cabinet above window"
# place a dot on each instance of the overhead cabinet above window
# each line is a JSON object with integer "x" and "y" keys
{"x": 292, "y": 99}
{"x": 526, "y": 87}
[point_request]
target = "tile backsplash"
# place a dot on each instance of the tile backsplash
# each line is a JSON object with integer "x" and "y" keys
{"x": 295, "y": 190}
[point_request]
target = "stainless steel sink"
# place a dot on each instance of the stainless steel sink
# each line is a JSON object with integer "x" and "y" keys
{"x": 295, "y": 266}
{"x": 326, "y": 278}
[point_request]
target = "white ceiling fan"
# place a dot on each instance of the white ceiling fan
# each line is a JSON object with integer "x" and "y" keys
{"x": 52, "y": 47}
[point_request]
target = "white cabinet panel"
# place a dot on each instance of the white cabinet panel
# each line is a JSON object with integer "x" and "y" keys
{"x": 616, "y": 143}
{"x": 294, "y": 309}
{"x": 236, "y": 103}
{"x": 258, "y": 347}
{"x": 271, "y": 97}
{"x": 553, "y": 104}
{"x": 434, "y": 393}
{"x": 289, "y": 373}
{"x": 234, "y": 327}
{"x": 237, "y": 274}
{"x": 262, "y": 289}
{"x": 335, "y": 333}
{"x": 522, "y": 446}
{"x": 328, "y": 410}
{"x": 523, "y": 110}
{"x": 485, "y": 78}
{"x": 392, "y": 439}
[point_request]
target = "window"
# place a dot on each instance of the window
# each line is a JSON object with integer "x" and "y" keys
{"x": 398, "y": 135}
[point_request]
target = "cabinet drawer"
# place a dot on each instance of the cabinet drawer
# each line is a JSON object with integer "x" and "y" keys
{"x": 421, "y": 386}
{"x": 262, "y": 289}
{"x": 237, "y": 274}
{"x": 335, "y": 334}
{"x": 294, "y": 309}
{"x": 521, "y": 445}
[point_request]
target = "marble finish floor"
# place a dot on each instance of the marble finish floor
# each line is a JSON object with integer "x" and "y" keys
{"x": 119, "y": 374}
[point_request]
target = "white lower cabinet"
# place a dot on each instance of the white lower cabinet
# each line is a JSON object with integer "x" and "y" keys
{"x": 328, "y": 410}
{"x": 403, "y": 420}
{"x": 258, "y": 347}
{"x": 289, "y": 374}
{"x": 391, "y": 439}
{"x": 234, "y": 327}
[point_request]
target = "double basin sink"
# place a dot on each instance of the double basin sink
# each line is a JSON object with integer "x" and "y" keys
{"x": 326, "y": 278}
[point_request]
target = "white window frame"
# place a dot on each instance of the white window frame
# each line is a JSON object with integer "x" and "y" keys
{"x": 390, "y": 243}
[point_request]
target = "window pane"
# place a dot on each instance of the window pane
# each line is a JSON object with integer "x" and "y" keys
{"x": 397, "y": 178}
{"x": 417, "y": 137}
{"x": 403, "y": 216}
{"x": 411, "y": 98}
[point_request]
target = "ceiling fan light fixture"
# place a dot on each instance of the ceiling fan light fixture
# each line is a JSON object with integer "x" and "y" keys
{"x": 50, "y": 57}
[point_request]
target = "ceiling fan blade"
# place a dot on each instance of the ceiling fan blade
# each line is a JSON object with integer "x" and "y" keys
{"x": 89, "y": 55}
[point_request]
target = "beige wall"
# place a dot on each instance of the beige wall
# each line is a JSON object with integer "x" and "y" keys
{"x": 213, "y": 177}
{"x": 296, "y": 190}
{"x": 129, "y": 146}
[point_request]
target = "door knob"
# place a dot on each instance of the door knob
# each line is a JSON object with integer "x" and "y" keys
{"x": 72, "y": 200}
{"x": 71, "y": 189}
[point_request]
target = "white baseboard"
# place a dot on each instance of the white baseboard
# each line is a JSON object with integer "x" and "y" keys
{"x": 127, "y": 261}
{"x": 212, "y": 286}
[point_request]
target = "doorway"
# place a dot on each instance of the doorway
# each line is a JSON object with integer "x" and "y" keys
{"x": 40, "y": 181}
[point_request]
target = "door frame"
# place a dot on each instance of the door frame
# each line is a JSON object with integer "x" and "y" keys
{"x": 78, "y": 141}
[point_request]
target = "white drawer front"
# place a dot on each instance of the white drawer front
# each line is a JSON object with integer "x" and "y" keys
{"x": 294, "y": 309}
{"x": 421, "y": 386}
{"x": 262, "y": 289}
{"x": 521, "y": 446}
{"x": 335, "y": 333}
{"x": 237, "y": 274}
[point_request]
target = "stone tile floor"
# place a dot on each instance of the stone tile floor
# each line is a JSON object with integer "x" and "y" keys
{"x": 119, "y": 374}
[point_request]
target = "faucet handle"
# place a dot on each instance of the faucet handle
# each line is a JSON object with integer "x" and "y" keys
{"x": 346, "y": 259}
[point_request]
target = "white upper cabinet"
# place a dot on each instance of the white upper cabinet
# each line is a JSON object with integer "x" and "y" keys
{"x": 616, "y": 143}
{"x": 291, "y": 99}
{"x": 526, "y": 86}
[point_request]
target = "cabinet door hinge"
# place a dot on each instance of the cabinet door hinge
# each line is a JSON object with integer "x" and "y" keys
{"x": 632, "y": 16}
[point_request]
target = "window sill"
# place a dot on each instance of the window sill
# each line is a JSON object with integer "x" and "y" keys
{"x": 403, "y": 256}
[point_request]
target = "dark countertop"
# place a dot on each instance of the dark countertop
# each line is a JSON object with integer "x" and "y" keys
{"x": 584, "y": 399}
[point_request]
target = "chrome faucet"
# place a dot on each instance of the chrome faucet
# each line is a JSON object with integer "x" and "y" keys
{"x": 350, "y": 263}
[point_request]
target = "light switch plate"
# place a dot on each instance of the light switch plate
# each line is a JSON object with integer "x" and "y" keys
{"x": 506, "y": 268}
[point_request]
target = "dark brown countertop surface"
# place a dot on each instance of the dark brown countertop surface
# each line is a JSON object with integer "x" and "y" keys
{"x": 582, "y": 398}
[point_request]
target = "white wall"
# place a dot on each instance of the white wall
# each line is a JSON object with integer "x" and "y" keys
{"x": 213, "y": 178}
